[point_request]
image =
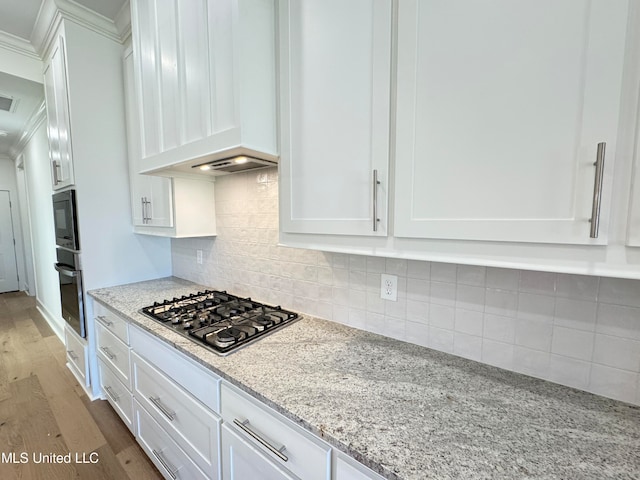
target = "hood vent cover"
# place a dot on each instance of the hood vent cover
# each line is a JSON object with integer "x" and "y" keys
{"x": 6, "y": 103}
{"x": 239, "y": 163}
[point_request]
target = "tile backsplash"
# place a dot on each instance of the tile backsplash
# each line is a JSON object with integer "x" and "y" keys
{"x": 576, "y": 330}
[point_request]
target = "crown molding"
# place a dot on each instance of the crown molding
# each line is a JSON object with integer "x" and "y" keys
{"x": 17, "y": 45}
{"x": 35, "y": 120}
{"x": 51, "y": 14}
{"x": 123, "y": 22}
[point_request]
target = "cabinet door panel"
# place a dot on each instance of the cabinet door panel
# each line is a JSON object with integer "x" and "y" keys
{"x": 168, "y": 52}
{"x": 335, "y": 84}
{"x": 240, "y": 460}
{"x": 499, "y": 117}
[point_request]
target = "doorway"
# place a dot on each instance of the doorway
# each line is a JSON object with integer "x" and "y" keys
{"x": 8, "y": 262}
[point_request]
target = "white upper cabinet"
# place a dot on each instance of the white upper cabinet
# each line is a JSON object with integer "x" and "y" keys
{"x": 335, "y": 74}
{"x": 58, "y": 122}
{"x": 205, "y": 78}
{"x": 500, "y": 109}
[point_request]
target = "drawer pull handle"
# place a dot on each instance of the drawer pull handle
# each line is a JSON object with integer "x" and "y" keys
{"x": 245, "y": 426}
{"x": 114, "y": 397}
{"x": 597, "y": 190}
{"x": 165, "y": 411}
{"x": 108, "y": 353}
{"x": 108, "y": 323}
{"x": 167, "y": 466}
{"x": 72, "y": 355}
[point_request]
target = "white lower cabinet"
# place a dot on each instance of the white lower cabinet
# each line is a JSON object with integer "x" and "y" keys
{"x": 167, "y": 456}
{"x": 117, "y": 394}
{"x": 284, "y": 444}
{"x": 346, "y": 468}
{"x": 77, "y": 358}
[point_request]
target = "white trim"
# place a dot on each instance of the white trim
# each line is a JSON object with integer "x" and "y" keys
{"x": 35, "y": 120}
{"x": 50, "y": 318}
{"x": 123, "y": 22}
{"x": 17, "y": 45}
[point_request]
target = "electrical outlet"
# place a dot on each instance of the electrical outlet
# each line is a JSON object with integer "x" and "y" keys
{"x": 389, "y": 287}
{"x": 199, "y": 257}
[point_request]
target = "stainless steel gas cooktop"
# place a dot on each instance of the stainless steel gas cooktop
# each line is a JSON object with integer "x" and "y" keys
{"x": 219, "y": 321}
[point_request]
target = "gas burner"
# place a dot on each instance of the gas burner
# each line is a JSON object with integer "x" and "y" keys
{"x": 219, "y": 321}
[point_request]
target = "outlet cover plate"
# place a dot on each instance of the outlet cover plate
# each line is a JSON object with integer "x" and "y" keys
{"x": 389, "y": 287}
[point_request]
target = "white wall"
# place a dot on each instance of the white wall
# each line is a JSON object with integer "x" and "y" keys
{"x": 28, "y": 282}
{"x": 8, "y": 182}
{"x": 38, "y": 177}
{"x": 580, "y": 331}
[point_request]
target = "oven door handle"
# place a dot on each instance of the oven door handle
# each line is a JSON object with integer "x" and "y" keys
{"x": 65, "y": 271}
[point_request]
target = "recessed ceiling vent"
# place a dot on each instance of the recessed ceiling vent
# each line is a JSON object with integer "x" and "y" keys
{"x": 6, "y": 104}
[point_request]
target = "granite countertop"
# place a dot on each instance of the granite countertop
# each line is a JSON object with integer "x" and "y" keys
{"x": 409, "y": 412}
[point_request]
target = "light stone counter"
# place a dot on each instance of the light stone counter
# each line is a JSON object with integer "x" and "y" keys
{"x": 409, "y": 412}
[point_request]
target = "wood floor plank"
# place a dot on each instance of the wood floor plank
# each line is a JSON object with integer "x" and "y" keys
{"x": 107, "y": 466}
{"x": 41, "y": 324}
{"x": 114, "y": 430}
{"x": 137, "y": 465}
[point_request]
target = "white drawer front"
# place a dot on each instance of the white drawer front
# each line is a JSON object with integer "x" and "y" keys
{"x": 76, "y": 355}
{"x": 348, "y": 469}
{"x": 194, "y": 427}
{"x": 306, "y": 456}
{"x": 167, "y": 456}
{"x": 199, "y": 382}
{"x": 117, "y": 394}
{"x": 112, "y": 322}
{"x": 114, "y": 353}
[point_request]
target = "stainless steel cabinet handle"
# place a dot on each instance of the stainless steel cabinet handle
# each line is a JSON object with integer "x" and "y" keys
{"x": 144, "y": 216}
{"x": 597, "y": 190}
{"x": 171, "y": 415}
{"x": 245, "y": 426}
{"x": 108, "y": 323}
{"x": 167, "y": 466}
{"x": 56, "y": 165}
{"x": 148, "y": 210}
{"x": 114, "y": 397}
{"x": 376, "y": 182}
{"x": 108, "y": 353}
{"x": 72, "y": 355}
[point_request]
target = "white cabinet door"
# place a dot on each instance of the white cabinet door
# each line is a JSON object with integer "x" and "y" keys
{"x": 500, "y": 108}
{"x": 240, "y": 460}
{"x": 57, "y": 102}
{"x": 633, "y": 225}
{"x": 334, "y": 92}
{"x": 151, "y": 197}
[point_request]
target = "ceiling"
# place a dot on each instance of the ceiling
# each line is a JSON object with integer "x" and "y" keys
{"x": 17, "y": 18}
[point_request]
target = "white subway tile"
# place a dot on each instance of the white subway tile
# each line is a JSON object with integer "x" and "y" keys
{"x": 569, "y": 371}
{"x": 373, "y": 282}
{"x": 502, "y": 329}
{"x": 375, "y": 304}
{"x": 538, "y": 282}
{"x": 394, "y": 328}
{"x": 324, "y": 259}
{"x": 358, "y": 318}
{"x": 501, "y": 302}
{"x": 441, "y": 339}
{"x": 396, "y": 266}
{"x": 418, "y": 269}
{"x": 340, "y": 314}
{"x": 442, "y": 293}
{"x": 617, "y": 352}
{"x": 503, "y": 278}
{"x": 582, "y": 287}
{"x": 497, "y": 354}
{"x": 357, "y": 262}
{"x": 397, "y": 309}
{"x": 618, "y": 320}
{"x": 340, "y": 260}
{"x": 536, "y": 307}
{"x": 417, "y": 333}
{"x": 467, "y": 346}
{"x": 357, "y": 280}
{"x": 468, "y": 321}
{"x": 325, "y": 309}
{"x": 471, "y": 275}
{"x": 531, "y": 362}
{"x": 535, "y": 335}
{"x": 443, "y": 272}
{"x": 578, "y": 314}
{"x": 417, "y": 311}
{"x": 325, "y": 275}
{"x": 375, "y": 323}
{"x": 620, "y": 291}
{"x": 418, "y": 289}
{"x": 613, "y": 383}
{"x": 572, "y": 343}
{"x": 358, "y": 299}
{"x": 470, "y": 297}
{"x": 441, "y": 316}
{"x": 340, "y": 277}
{"x": 340, "y": 296}
{"x": 376, "y": 264}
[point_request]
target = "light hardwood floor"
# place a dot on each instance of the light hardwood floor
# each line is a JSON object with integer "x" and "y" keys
{"x": 43, "y": 410}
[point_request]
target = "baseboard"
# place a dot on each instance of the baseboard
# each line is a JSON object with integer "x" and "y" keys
{"x": 47, "y": 315}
